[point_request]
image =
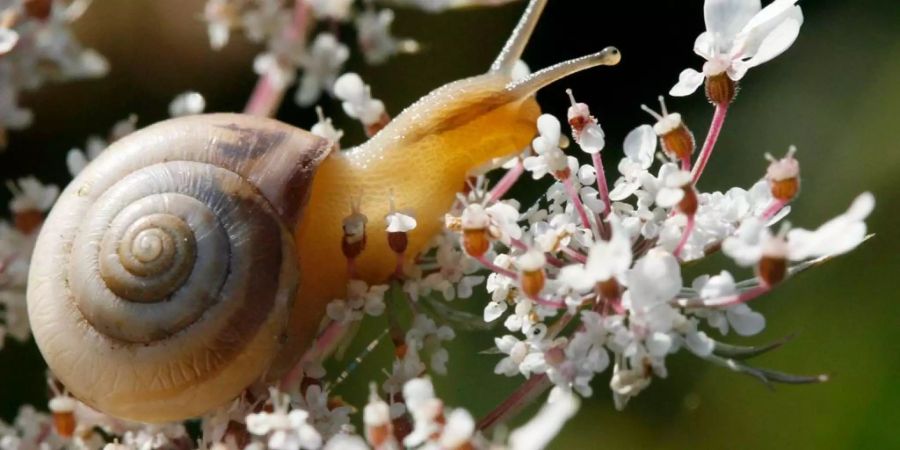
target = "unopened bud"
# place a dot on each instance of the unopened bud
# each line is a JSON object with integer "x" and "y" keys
{"x": 783, "y": 176}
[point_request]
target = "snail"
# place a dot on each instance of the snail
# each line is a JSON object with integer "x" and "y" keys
{"x": 196, "y": 257}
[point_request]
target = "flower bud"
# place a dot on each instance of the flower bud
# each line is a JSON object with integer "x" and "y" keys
{"x": 783, "y": 176}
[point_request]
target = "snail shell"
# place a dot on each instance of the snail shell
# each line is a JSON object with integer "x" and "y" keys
{"x": 163, "y": 278}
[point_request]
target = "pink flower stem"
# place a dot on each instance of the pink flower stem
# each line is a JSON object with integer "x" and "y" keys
{"x": 574, "y": 254}
{"x": 602, "y": 185}
{"x": 686, "y": 164}
{"x": 505, "y": 183}
{"x": 528, "y": 391}
{"x": 555, "y": 304}
{"x": 773, "y": 209}
{"x": 743, "y": 297}
{"x": 688, "y": 229}
{"x": 495, "y": 268}
{"x": 267, "y": 94}
{"x": 714, "y": 129}
{"x": 325, "y": 341}
{"x": 576, "y": 201}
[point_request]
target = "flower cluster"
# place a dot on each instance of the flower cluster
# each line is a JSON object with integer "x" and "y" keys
{"x": 586, "y": 281}
{"x": 37, "y": 47}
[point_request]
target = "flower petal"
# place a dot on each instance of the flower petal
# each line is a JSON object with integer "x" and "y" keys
{"x": 688, "y": 82}
{"x": 640, "y": 145}
{"x": 777, "y": 40}
{"x": 725, "y": 19}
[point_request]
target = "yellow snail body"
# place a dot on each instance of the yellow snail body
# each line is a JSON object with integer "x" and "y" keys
{"x": 196, "y": 256}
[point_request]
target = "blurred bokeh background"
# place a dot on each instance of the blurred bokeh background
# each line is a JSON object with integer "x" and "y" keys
{"x": 835, "y": 94}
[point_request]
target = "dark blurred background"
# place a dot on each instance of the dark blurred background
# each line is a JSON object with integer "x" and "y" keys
{"x": 835, "y": 94}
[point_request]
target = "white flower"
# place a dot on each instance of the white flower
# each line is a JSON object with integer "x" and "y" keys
{"x": 837, "y": 236}
{"x": 361, "y": 298}
{"x": 32, "y": 195}
{"x": 337, "y": 10}
{"x": 186, "y": 104}
{"x": 606, "y": 260}
{"x": 321, "y": 65}
{"x": 537, "y": 433}
{"x": 494, "y": 310}
{"x": 500, "y": 219}
{"x": 672, "y": 190}
{"x": 655, "y": 278}
{"x": 286, "y": 430}
{"x": 357, "y": 99}
{"x": 585, "y": 129}
{"x": 740, "y": 36}
{"x": 375, "y": 39}
{"x": 627, "y": 383}
{"x": 345, "y": 442}
{"x": 550, "y": 158}
{"x": 639, "y": 147}
{"x": 325, "y": 128}
{"x": 326, "y": 420}
{"x": 220, "y": 16}
{"x": 426, "y": 337}
{"x": 8, "y": 39}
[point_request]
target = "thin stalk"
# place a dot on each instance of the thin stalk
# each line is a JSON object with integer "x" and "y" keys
{"x": 267, "y": 95}
{"x": 688, "y": 229}
{"x": 528, "y": 391}
{"x": 773, "y": 209}
{"x": 505, "y": 183}
{"x": 715, "y": 128}
{"x": 576, "y": 201}
{"x": 602, "y": 185}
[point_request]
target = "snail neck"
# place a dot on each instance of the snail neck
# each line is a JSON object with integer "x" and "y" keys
{"x": 424, "y": 165}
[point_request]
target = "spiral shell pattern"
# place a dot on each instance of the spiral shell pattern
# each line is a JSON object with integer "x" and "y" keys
{"x": 163, "y": 278}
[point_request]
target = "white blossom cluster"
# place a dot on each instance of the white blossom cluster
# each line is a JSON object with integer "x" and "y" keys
{"x": 587, "y": 282}
{"x": 37, "y": 47}
{"x": 287, "y": 28}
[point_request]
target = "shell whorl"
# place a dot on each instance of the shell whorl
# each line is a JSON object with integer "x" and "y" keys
{"x": 163, "y": 278}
